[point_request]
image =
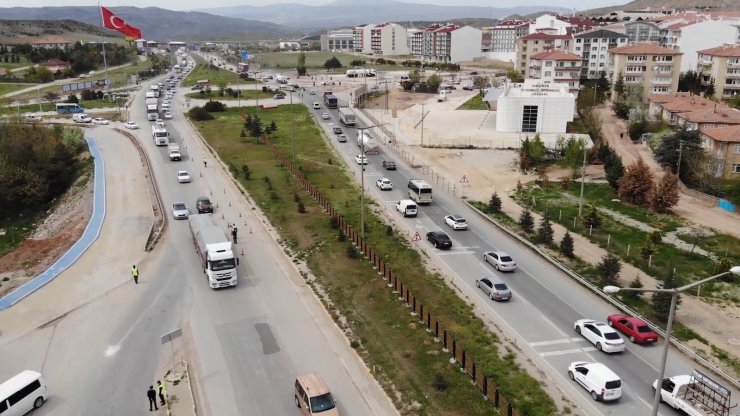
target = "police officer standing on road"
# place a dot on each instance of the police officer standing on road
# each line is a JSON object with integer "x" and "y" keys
{"x": 205, "y": 162}
{"x": 161, "y": 391}
{"x": 233, "y": 233}
{"x": 135, "y": 274}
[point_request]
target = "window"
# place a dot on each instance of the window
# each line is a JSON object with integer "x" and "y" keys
{"x": 548, "y": 73}
{"x": 529, "y": 119}
{"x": 22, "y": 393}
{"x": 737, "y": 148}
{"x": 736, "y": 168}
{"x": 548, "y": 63}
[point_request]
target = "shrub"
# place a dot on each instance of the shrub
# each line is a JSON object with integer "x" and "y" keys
{"x": 246, "y": 173}
{"x": 656, "y": 237}
{"x": 341, "y": 236}
{"x": 526, "y": 221}
{"x": 544, "y": 232}
{"x": 609, "y": 268}
{"x": 352, "y": 251}
{"x": 566, "y": 245}
{"x": 301, "y": 207}
{"x": 199, "y": 114}
{"x": 494, "y": 205}
{"x": 334, "y": 222}
{"x": 214, "y": 106}
{"x": 592, "y": 219}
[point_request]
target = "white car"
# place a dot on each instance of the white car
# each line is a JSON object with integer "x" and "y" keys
{"x": 361, "y": 159}
{"x": 30, "y": 118}
{"x": 325, "y": 116}
{"x": 500, "y": 261}
{"x": 165, "y": 105}
{"x": 183, "y": 176}
{"x": 131, "y": 125}
{"x": 316, "y": 105}
{"x": 604, "y": 337}
{"x": 168, "y": 116}
{"x": 384, "y": 184}
{"x": 100, "y": 121}
{"x": 180, "y": 211}
{"x": 456, "y": 222}
{"x": 601, "y": 382}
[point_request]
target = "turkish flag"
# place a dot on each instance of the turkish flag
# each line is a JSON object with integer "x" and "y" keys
{"x": 111, "y": 21}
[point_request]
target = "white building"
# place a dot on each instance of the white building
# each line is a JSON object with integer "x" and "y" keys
{"x": 548, "y": 21}
{"x": 447, "y": 43}
{"x": 361, "y": 38}
{"x": 534, "y": 107}
{"x": 503, "y": 39}
{"x": 593, "y": 46}
{"x": 388, "y": 39}
{"x": 556, "y": 66}
{"x": 341, "y": 40}
{"x": 690, "y": 37}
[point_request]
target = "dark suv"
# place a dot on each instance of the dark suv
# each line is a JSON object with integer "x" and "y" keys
{"x": 389, "y": 165}
{"x": 439, "y": 240}
{"x": 203, "y": 204}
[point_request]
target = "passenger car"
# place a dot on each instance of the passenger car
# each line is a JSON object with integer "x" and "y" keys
{"x": 342, "y": 138}
{"x": 325, "y": 116}
{"x": 203, "y": 204}
{"x": 361, "y": 159}
{"x": 183, "y": 176}
{"x": 439, "y": 240}
{"x": 389, "y": 165}
{"x": 168, "y": 116}
{"x": 180, "y": 211}
{"x": 278, "y": 97}
{"x": 337, "y": 130}
{"x": 30, "y": 118}
{"x": 500, "y": 261}
{"x": 131, "y": 125}
{"x": 100, "y": 121}
{"x": 635, "y": 329}
{"x": 384, "y": 184}
{"x": 496, "y": 290}
{"x": 316, "y": 105}
{"x": 601, "y": 382}
{"x": 313, "y": 397}
{"x": 456, "y": 222}
{"x": 604, "y": 337}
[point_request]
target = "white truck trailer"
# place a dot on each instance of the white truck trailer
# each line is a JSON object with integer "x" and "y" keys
{"x": 371, "y": 146}
{"x": 695, "y": 395}
{"x": 347, "y": 116}
{"x": 215, "y": 251}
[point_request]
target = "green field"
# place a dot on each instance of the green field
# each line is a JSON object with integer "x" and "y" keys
{"x": 245, "y": 95}
{"x": 203, "y": 70}
{"x": 475, "y": 103}
{"x": 8, "y": 87}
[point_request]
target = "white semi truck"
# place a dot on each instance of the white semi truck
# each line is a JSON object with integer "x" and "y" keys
{"x": 695, "y": 395}
{"x": 371, "y": 146}
{"x": 347, "y": 116}
{"x": 173, "y": 150}
{"x": 160, "y": 135}
{"x": 215, "y": 251}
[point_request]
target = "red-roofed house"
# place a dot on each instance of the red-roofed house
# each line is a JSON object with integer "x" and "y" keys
{"x": 723, "y": 144}
{"x": 55, "y": 65}
{"x": 721, "y": 66}
{"x": 447, "y": 43}
{"x": 654, "y": 68}
{"x": 556, "y": 66}
{"x": 534, "y": 43}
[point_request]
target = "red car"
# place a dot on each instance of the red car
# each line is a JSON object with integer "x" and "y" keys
{"x": 635, "y": 329}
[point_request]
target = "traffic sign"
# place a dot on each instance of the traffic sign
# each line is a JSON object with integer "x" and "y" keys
{"x": 417, "y": 237}
{"x": 464, "y": 179}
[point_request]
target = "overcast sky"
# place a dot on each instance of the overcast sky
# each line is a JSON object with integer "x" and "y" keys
{"x": 200, "y": 4}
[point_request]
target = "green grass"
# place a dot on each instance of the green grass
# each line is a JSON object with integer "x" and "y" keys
{"x": 204, "y": 70}
{"x": 316, "y": 60}
{"x": 391, "y": 341}
{"x": 10, "y": 65}
{"x": 475, "y": 103}
{"x": 16, "y": 230}
{"x": 245, "y": 95}
{"x": 31, "y": 108}
{"x": 8, "y": 87}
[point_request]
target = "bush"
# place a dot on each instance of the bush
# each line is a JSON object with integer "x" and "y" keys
{"x": 301, "y": 207}
{"x": 214, "y": 106}
{"x": 592, "y": 219}
{"x": 526, "y": 221}
{"x": 544, "y": 232}
{"x": 494, "y": 205}
{"x": 656, "y": 237}
{"x": 341, "y": 236}
{"x": 199, "y": 114}
{"x": 352, "y": 251}
{"x": 334, "y": 222}
{"x": 566, "y": 245}
{"x": 246, "y": 173}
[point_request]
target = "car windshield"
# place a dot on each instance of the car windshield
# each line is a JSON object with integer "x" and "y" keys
{"x": 614, "y": 384}
{"x": 179, "y": 207}
{"x": 500, "y": 286}
{"x": 506, "y": 258}
{"x": 611, "y": 335}
{"x": 225, "y": 264}
{"x": 322, "y": 403}
{"x": 643, "y": 329}
{"x": 460, "y": 220}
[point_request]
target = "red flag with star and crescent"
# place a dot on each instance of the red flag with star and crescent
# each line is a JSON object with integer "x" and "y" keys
{"x": 111, "y": 21}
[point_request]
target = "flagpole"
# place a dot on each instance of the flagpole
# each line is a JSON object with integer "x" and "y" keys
{"x": 105, "y": 61}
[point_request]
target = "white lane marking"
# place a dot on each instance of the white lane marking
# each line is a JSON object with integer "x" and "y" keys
{"x": 556, "y": 341}
{"x": 453, "y": 253}
{"x": 112, "y": 349}
{"x": 565, "y": 352}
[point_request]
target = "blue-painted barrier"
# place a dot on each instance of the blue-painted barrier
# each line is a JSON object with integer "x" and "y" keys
{"x": 726, "y": 205}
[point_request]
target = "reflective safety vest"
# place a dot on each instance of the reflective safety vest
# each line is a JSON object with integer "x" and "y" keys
{"x": 134, "y": 271}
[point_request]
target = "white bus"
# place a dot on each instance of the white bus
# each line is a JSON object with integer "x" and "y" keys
{"x": 22, "y": 393}
{"x": 420, "y": 191}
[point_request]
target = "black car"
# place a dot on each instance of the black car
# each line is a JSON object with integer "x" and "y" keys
{"x": 439, "y": 240}
{"x": 338, "y": 130}
{"x": 389, "y": 165}
{"x": 196, "y": 88}
{"x": 203, "y": 204}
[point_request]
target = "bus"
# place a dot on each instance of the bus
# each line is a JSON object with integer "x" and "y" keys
{"x": 420, "y": 191}
{"x": 23, "y": 393}
{"x": 330, "y": 101}
{"x": 347, "y": 116}
{"x": 67, "y": 108}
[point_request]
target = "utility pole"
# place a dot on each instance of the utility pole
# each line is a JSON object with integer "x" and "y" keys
{"x": 680, "y": 153}
{"x": 292, "y": 127}
{"x": 583, "y": 181}
{"x": 423, "y": 116}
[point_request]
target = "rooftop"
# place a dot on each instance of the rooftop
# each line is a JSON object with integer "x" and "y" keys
{"x": 719, "y": 114}
{"x": 536, "y": 88}
{"x": 724, "y": 134}
{"x": 544, "y": 36}
{"x": 556, "y": 55}
{"x": 600, "y": 34}
{"x": 643, "y": 49}
{"x": 727, "y": 50}
{"x": 667, "y": 98}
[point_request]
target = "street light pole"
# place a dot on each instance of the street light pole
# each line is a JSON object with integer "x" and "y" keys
{"x": 674, "y": 292}
{"x": 583, "y": 181}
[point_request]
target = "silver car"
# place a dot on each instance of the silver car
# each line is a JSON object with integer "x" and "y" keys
{"x": 180, "y": 211}
{"x": 500, "y": 261}
{"x": 496, "y": 290}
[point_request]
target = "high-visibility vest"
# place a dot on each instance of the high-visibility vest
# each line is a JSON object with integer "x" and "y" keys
{"x": 160, "y": 389}
{"x": 134, "y": 271}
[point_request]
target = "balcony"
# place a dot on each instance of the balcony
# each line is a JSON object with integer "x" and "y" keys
{"x": 732, "y": 86}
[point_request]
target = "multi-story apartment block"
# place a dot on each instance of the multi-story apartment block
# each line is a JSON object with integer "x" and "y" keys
{"x": 534, "y": 43}
{"x": 361, "y": 38}
{"x": 690, "y": 36}
{"x": 554, "y": 24}
{"x": 654, "y": 68}
{"x": 593, "y": 47}
{"x": 723, "y": 145}
{"x": 503, "y": 38}
{"x": 342, "y": 40}
{"x": 640, "y": 31}
{"x": 388, "y": 39}
{"x": 557, "y": 66}
{"x": 721, "y": 66}
{"x": 447, "y": 43}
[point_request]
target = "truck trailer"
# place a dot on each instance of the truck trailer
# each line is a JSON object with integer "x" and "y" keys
{"x": 215, "y": 251}
{"x": 371, "y": 146}
{"x": 347, "y": 116}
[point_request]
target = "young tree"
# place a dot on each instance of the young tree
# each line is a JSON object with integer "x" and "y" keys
{"x": 494, "y": 205}
{"x": 614, "y": 170}
{"x": 480, "y": 82}
{"x": 619, "y": 87}
{"x": 525, "y": 157}
{"x": 609, "y": 268}
{"x": 246, "y": 173}
{"x": 662, "y": 301}
{"x": 515, "y": 76}
{"x": 697, "y": 233}
{"x": 637, "y": 184}
{"x": 72, "y": 99}
{"x": 635, "y": 284}
{"x": 574, "y": 149}
{"x": 647, "y": 249}
{"x": 433, "y": 82}
{"x": 537, "y": 149}
{"x": 332, "y": 63}
{"x": 566, "y": 245}
{"x": 665, "y": 195}
{"x": 592, "y": 219}
{"x": 526, "y": 221}
{"x": 667, "y": 152}
{"x": 544, "y": 232}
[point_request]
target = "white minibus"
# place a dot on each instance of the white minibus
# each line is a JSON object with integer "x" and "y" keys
{"x": 22, "y": 393}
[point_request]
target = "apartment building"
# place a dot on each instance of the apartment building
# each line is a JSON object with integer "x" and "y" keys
{"x": 723, "y": 145}
{"x": 556, "y": 66}
{"x": 447, "y": 43}
{"x": 361, "y": 38}
{"x": 341, "y": 40}
{"x": 555, "y": 24}
{"x": 389, "y": 39}
{"x": 721, "y": 66}
{"x": 593, "y": 47}
{"x": 691, "y": 36}
{"x": 652, "y": 67}
{"x": 534, "y": 43}
{"x": 639, "y": 31}
{"x": 503, "y": 38}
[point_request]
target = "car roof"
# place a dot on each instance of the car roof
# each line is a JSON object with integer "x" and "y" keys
{"x": 439, "y": 233}
{"x": 313, "y": 383}
{"x": 628, "y": 318}
{"x": 181, "y": 171}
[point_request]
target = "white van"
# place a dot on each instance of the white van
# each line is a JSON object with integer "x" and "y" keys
{"x": 601, "y": 382}
{"x": 22, "y": 393}
{"x": 406, "y": 207}
{"x": 80, "y": 118}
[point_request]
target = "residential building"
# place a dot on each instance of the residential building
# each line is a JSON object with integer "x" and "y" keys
{"x": 503, "y": 39}
{"x": 721, "y": 66}
{"x": 690, "y": 37}
{"x": 361, "y": 38}
{"x": 534, "y": 107}
{"x": 717, "y": 115}
{"x": 389, "y": 39}
{"x": 55, "y": 65}
{"x": 653, "y": 68}
{"x": 723, "y": 145}
{"x": 556, "y": 66}
{"x": 341, "y": 40}
{"x": 668, "y": 106}
{"x": 634, "y": 15}
{"x": 447, "y": 43}
{"x": 534, "y": 43}
{"x": 547, "y": 21}
{"x": 639, "y": 31}
{"x": 593, "y": 47}
{"x": 411, "y": 38}
{"x": 51, "y": 42}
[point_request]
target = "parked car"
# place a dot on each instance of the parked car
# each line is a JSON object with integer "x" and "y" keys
{"x": 456, "y": 222}
{"x": 196, "y": 88}
{"x": 496, "y": 290}
{"x": 203, "y": 204}
{"x": 604, "y": 337}
{"x": 468, "y": 88}
{"x": 384, "y": 184}
{"x": 601, "y": 382}
{"x": 361, "y": 159}
{"x": 100, "y": 121}
{"x": 30, "y": 118}
{"x": 168, "y": 116}
{"x": 312, "y": 92}
{"x": 131, "y": 125}
{"x": 342, "y": 138}
{"x": 337, "y": 130}
{"x": 500, "y": 261}
{"x": 325, "y": 116}
{"x": 180, "y": 211}
{"x": 278, "y": 97}
{"x": 439, "y": 240}
{"x": 389, "y": 165}
{"x": 635, "y": 329}
{"x": 183, "y": 176}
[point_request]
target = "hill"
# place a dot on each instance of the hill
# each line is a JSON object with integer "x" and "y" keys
{"x": 668, "y": 5}
{"x": 27, "y": 31}
{"x": 347, "y": 13}
{"x": 155, "y": 23}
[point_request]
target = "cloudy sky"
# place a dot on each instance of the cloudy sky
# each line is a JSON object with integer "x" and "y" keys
{"x": 199, "y": 4}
